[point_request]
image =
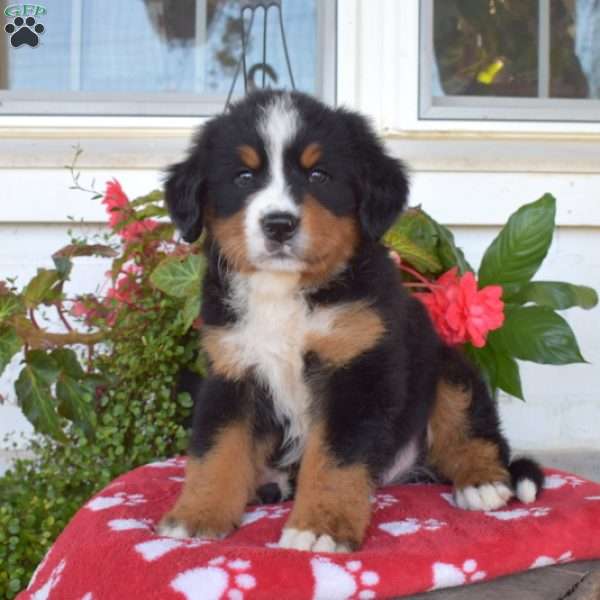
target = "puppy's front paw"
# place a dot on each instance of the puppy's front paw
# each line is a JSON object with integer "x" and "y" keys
{"x": 296, "y": 539}
{"x": 487, "y": 496}
{"x": 182, "y": 524}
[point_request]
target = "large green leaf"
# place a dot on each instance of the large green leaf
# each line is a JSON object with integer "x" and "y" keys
{"x": 419, "y": 257}
{"x": 179, "y": 277}
{"x": 555, "y": 294}
{"x": 521, "y": 246}
{"x": 418, "y": 227}
{"x": 35, "y": 396}
{"x": 536, "y": 334}
{"x": 67, "y": 362}
{"x": 10, "y": 344}
{"x": 75, "y": 402}
{"x": 43, "y": 287}
{"x": 508, "y": 377}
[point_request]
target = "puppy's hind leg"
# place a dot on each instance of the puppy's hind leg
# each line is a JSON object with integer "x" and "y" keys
{"x": 466, "y": 445}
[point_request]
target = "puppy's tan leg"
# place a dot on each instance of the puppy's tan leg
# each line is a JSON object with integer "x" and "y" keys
{"x": 217, "y": 487}
{"x": 480, "y": 479}
{"x": 332, "y": 508}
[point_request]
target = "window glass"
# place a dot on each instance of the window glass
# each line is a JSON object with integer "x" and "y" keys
{"x": 516, "y": 48}
{"x": 155, "y": 46}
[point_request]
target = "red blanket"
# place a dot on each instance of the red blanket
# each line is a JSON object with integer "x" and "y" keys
{"x": 418, "y": 540}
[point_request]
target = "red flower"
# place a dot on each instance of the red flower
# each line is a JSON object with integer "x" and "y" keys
{"x": 135, "y": 230}
{"x": 462, "y": 313}
{"x": 115, "y": 201}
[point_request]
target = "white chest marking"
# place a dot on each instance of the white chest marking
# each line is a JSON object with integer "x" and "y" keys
{"x": 269, "y": 338}
{"x": 403, "y": 463}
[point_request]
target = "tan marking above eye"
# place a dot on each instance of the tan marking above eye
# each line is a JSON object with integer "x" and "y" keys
{"x": 249, "y": 156}
{"x": 310, "y": 155}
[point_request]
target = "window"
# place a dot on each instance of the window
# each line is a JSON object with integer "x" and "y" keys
{"x": 510, "y": 60}
{"x": 158, "y": 57}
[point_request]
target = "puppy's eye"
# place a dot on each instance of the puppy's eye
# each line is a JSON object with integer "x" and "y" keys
{"x": 318, "y": 176}
{"x": 244, "y": 179}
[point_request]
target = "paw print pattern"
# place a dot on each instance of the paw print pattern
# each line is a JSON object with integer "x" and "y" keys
{"x": 129, "y": 524}
{"x": 410, "y": 525}
{"x": 592, "y": 497}
{"x": 219, "y": 579}
{"x": 170, "y": 463}
{"x": 120, "y": 498}
{"x": 518, "y": 513}
{"x": 545, "y": 561}
{"x": 154, "y": 549}
{"x": 44, "y": 592}
{"x": 342, "y": 582}
{"x": 556, "y": 481}
{"x": 264, "y": 512}
{"x": 381, "y": 501}
{"x": 24, "y": 31}
{"x": 449, "y": 575}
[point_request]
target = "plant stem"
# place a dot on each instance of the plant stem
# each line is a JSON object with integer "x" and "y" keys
{"x": 61, "y": 314}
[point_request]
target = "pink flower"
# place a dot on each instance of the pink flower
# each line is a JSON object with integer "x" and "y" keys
{"x": 462, "y": 313}
{"x": 115, "y": 201}
{"x": 126, "y": 287}
{"x": 136, "y": 230}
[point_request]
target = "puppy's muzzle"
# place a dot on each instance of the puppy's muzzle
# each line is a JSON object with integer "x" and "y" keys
{"x": 279, "y": 227}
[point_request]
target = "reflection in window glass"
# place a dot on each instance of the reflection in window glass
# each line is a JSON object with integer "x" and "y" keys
{"x": 517, "y": 48}
{"x": 157, "y": 46}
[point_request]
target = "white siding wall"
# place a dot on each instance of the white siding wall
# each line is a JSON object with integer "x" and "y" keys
{"x": 563, "y": 404}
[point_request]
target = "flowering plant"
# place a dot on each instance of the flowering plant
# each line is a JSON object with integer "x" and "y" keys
{"x": 500, "y": 315}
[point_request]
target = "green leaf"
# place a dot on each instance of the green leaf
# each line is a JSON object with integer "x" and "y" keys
{"x": 35, "y": 396}
{"x": 418, "y": 227}
{"x": 75, "y": 402}
{"x": 10, "y": 305}
{"x": 484, "y": 359}
{"x": 418, "y": 257}
{"x": 179, "y": 277}
{"x": 191, "y": 310}
{"x": 508, "y": 377}
{"x": 537, "y": 334}
{"x": 67, "y": 361}
{"x": 10, "y": 344}
{"x": 555, "y": 294}
{"x": 42, "y": 288}
{"x": 154, "y": 196}
{"x": 521, "y": 246}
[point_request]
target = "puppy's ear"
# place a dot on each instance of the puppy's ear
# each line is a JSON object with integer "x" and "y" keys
{"x": 383, "y": 183}
{"x": 185, "y": 192}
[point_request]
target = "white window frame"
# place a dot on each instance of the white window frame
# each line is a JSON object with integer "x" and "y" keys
{"x": 542, "y": 108}
{"x": 76, "y": 109}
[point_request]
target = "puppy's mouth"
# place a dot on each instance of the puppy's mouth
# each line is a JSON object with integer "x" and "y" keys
{"x": 280, "y": 255}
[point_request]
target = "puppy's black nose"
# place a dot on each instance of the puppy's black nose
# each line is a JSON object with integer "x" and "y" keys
{"x": 279, "y": 226}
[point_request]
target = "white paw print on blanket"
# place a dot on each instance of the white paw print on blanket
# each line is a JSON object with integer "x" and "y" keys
{"x": 449, "y": 498}
{"x": 157, "y": 548}
{"x": 545, "y": 561}
{"x": 592, "y": 497}
{"x": 411, "y": 525}
{"x": 449, "y": 575}
{"x": 220, "y": 578}
{"x": 555, "y": 481}
{"x": 518, "y": 513}
{"x": 170, "y": 463}
{"x": 264, "y": 512}
{"x": 44, "y": 592}
{"x": 381, "y": 501}
{"x": 337, "y": 582}
{"x": 129, "y": 524}
{"x": 120, "y": 498}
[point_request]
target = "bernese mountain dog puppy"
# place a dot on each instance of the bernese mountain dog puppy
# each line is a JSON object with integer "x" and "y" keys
{"x": 322, "y": 366}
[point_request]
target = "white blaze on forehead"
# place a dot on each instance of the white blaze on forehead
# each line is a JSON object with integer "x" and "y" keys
{"x": 278, "y": 125}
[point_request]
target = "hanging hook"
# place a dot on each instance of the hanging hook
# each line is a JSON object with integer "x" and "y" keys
{"x": 252, "y": 6}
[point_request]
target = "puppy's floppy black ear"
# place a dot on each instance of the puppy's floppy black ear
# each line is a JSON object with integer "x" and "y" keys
{"x": 383, "y": 184}
{"x": 185, "y": 192}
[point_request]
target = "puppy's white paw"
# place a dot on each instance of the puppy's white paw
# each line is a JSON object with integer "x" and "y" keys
{"x": 296, "y": 539}
{"x": 489, "y": 496}
{"x": 526, "y": 491}
{"x": 173, "y": 530}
